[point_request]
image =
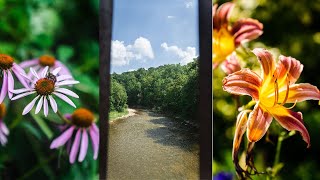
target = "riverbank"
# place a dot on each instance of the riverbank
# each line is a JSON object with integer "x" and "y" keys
{"x": 121, "y": 115}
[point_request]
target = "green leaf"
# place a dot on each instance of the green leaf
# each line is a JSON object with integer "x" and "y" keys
{"x": 43, "y": 125}
{"x": 65, "y": 53}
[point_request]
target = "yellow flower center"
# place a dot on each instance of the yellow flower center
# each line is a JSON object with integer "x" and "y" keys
{"x": 6, "y": 61}
{"x": 44, "y": 86}
{"x": 222, "y": 44}
{"x": 82, "y": 117}
{"x": 2, "y": 110}
{"x": 47, "y": 60}
{"x": 269, "y": 94}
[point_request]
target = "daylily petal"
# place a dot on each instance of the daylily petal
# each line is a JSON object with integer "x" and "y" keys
{"x": 240, "y": 130}
{"x": 243, "y": 82}
{"x": 267, "y": 63}
{"x": 299, "y": 92}
{"x": 290, "y": 120}
{"x": 246, "y": 30}
{"x": 288, "y": 66}
{"x": 258, "y": 123}
{"x": 222, "y": 15}
{"x": 231, "y": 64}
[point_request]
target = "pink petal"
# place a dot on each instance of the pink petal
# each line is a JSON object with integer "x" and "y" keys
{"x": 67, "y": 82}
{"x": 23, "y": 90}
{"x": 95, "y": 142}
{"x": 4, "y": 128}
{"x": 28, "y": 63}
{"x": 258, "y": 123}
{"x": 299, "y": 92}
{"x": 222, "y": 15}
{"x": 84, "y": 145}
{"x": 30, "y": 106}
{"x": 75, "y": 147}
{"x": 63, "y": 77}
{"x": 291, "y": 120}
{"x": 4, "y": 88}
{"x": 34, "y": 73}
{"x": 288, "y": 67}
{"x": 64, "y": 69}
{"x": 63, "y": 138}
{"x": 39, "y": 105}
{"x": 20, "y": 77}
{"x": 246, "y": 30}
{"x": 243, "y": 82}
{"x": 22, "y": 95}
{"x": 44, "y": 72}
{"x": 56, "y": 71}
{"x": 67, "y": 92}
{"x": 65, "y": 98}
{"x": 45, "y": 107}
{"x": 231, "y": 64}
{"x": 241, "y": 126}
{"x": 267, "y": 63}
{"x": 10, "y": 84}
{"x": 53, "y": 104}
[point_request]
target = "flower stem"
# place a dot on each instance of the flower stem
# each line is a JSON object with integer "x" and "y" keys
{"x": 62, "y": 117}
{"x": 278, "y": 150}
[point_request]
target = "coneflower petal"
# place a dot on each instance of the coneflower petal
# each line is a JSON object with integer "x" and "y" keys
{"x": 53, "y": 104}
{"x": 4, "y": 88}
{"x": 45, "y": 107}
{"x": 64, "y": 98}
{"x": 10, "y": 84}
{"x": 30, "y": 105}
{"x": 67, "y": 92}
{"x": 75, "y": 147}
{"x": 63, "y": 138}
{"x": 84, "y": 145}
{"x": 39, "y": 105}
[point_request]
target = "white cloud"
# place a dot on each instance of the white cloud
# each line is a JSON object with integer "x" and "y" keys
{"x": 122, "y": 55}
{"x": 185, "y": 56}
{"x": 170, "y": 17}
{"x": 188, "y": 4}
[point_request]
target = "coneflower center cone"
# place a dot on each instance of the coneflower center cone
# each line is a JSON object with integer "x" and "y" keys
{"x": 47, "y": 60}
{"x": 44, "y": 86}
{"x": 6, "y": 61}
{"x": 82, "y": 117}
{"x": 2, "y": 110}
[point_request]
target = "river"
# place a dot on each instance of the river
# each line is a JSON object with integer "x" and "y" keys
{"x": 152, "y": 146}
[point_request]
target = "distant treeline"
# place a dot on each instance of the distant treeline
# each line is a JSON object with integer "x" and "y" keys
{"x": 170, "y": 88}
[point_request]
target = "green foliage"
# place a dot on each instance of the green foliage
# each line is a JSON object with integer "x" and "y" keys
{"x": 118, "y": 97}
{"x": 29, "y": 29}
{"x": 170, "y": 88}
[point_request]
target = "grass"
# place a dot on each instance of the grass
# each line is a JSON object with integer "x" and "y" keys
{"x": 115, "y": 114}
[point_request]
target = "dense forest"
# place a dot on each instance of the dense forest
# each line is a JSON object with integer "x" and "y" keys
{"x": 172, "y": 89}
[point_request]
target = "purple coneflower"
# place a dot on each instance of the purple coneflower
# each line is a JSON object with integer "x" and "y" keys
{"x": 7, "y": 65}
{"x": 45, "y": 60}
{"x": 81, "y": 121}
{"x": 46, "y": 85}
{"x": 4, "y": 132}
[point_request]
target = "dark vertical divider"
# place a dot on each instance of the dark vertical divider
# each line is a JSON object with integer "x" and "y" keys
{"x": 105, "y": 30}
{"x": 205, "y": 100}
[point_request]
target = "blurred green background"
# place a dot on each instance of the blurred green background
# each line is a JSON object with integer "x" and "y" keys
{"x": 291, "y": 28}
{"x": 69, "y": 31}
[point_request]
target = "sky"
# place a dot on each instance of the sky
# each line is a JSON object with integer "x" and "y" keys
{"x": 150, "y": 33}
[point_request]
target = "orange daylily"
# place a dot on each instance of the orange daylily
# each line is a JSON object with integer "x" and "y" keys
{"x": 271, "y": 91}
{"x": 226, "y": 38}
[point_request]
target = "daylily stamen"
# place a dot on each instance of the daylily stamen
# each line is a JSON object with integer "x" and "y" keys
{"x": 287, "y": 92}
{"x": 276, "y": 92}
{"x": 293, "y": 105}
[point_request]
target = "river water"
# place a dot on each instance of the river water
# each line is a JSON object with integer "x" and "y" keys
{"x": 151, "y": 146}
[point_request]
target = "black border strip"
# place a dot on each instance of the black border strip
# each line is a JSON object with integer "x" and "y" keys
{"x": 105, "y": 30}
{"x": 205, "y": 99}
